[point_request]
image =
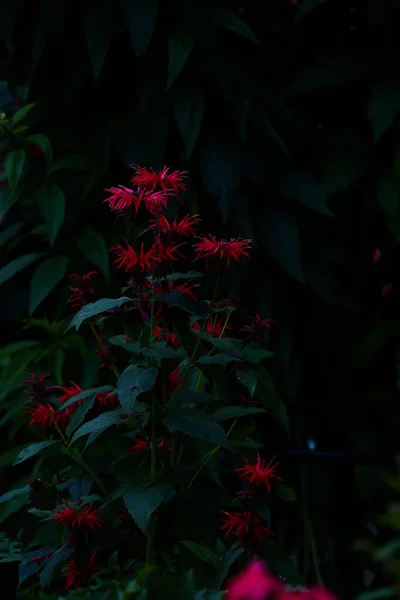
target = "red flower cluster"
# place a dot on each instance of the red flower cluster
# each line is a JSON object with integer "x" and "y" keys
{"x": 255, "y": 582}
{"x": 86, "y": 517}
{"x": 75, "y": 577}
{"x": 258, "y": 327}
{"x": 233, "y": 249}
{"x": 216, "y": 329}
{"x": 148, "y": 179}
{"x": 260, "y": 473}
{"x": 161, "y": 334}
{"x": 141, "y": 445}
{"x": 39, "y": 390}
{"x": 104, "y": 353}
{"x": 45, "y": 415}
{"x": 246, "y": 526}
{"x": 184, "y": 227}
{"x": 81, "y": 288}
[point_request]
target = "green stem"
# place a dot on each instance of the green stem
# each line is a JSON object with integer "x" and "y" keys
{"x": 208, "y": 457}
{"x": 114, "y": 368}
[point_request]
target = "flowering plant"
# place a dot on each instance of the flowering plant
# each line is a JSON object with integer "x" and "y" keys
{"x": 142, "y": 471}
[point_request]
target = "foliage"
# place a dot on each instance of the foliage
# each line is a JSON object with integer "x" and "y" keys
{"x": 285, "y": 114}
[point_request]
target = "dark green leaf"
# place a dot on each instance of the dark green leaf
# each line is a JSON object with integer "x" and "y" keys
{"x": 256, "y": 355}
{"x": 180, "y": 46}
{"x": 44, "y": 144}
{"x": 134, "y": 381}
{"x": 178, "y": 300}
{"x": 189, "y": 275}
{"x": 190, "y": 397}
{"x": 285, "y": 492}
{"x": 52, "y": 204}
{"x": 305, "y": 188}
{"x": 386, "y": 592}
{"x": 86, "y": 395}
{"x": 80, "y": 414}
{"x": 95, "y": 308}
{"x": 140, "y": 17}
{"x": 232, "y": 22}
{"x": 225, "y": 564}
{"x": 32, "y": 450}
{"x": 387, "y": 194}
{"x": 216, "y": 359}
{"x": 305, "y": 7}
{"x": 282, "y": 564}
{"x": 14, "y": 166}
{"x": 233, "y": 412}
{"x": 17, "y": 492}
{"x": 269, "y": 396}
{"x": 98, "y": 425}
{"x": 189, "y": 111}
{"x": 248, "y": 378}
{"x": 56, "y": 558}
{"x": 142, "y": 503}
{"x": 8, "y": 198}
{"x": 17, "y": 265}
{"x": 94, "y": 248}
{"x": 45, "y": 278}
{"x": 56, "y": 361}
{"x": 76, "y": 162}
{"x": 21, "y": 113}
{"x": 9, "y": 232}
{"x": 16, "y": 347}
{"x": 98, "y": 19}
{"x": 29, "y": 566}
{"x": 198, "y": 425}
{"x": 281, "y": 238}
{"x": 202, "y": 552}
{"x": 383, "y": 107}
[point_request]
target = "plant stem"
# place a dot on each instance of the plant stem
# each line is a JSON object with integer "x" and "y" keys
{"x": 113, "y": 366}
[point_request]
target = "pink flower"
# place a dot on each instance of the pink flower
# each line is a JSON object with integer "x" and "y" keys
{"x": 234, "y": 249}
{"x": 255, "y": 582}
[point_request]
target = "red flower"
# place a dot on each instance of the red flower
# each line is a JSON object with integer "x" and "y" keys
{"x": 245, "y": 526}
{"x": 39, "y": 390}
{"x": 81, "y": 288}
{"x": 141, "y": 445}
{"x": 184, "y": 288}
{"x": 259, "y": 473}
{"x": 86, "y": 517}
{"x": 155, "y": 201}
{"x": 255, "y": 582}
{"x": 104, "y": 353}
{"x": 171, "y": 338}
{"x": 121, "y": 199}
{"x": 44, "y": 415}
{"x": 258, "y": 327}
{"x": 106, "y": 399}
{"x": 214, "y": 329}
{"x": 129, "y": 260}
{"x": 69, "y": 392}
{"x": 167, "y": 253}
{"x": 185, "y": 227}
{"x": 234, "y": 249}
{"x": 165, "y": 179}
{"x": 76, "y": 578}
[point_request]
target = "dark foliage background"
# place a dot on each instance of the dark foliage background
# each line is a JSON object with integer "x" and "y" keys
{"x": 285, "y": 115}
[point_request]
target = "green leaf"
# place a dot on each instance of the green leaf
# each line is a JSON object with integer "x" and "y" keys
{"x": 98, "y": 425}
{"x": 80, "y": 414}
{"x": 32, "y": 450}
{"x": 14, "y": 166}
{"x": 21, "y": 113}
{"x": 87, "y": 394}
{"x": 248, "y": 378}
{"x": 278, "y": 561}
{"x": 190, "y": 397}
{"x": 306, "y": 7}
{"x": 98, "y": 19}
{"x": 140, "y": 17}
{"x": 189, "y": 111}
{"x": 387, "y": 194}
{"x": 52, "y": 204}
{"x": 7, "y": 198}
{"x": 232, "y": 22}
{"x": 93, "y": 246}
{"x": 198, "y": 425}
{"x": 257, "y": 355}
{"x": 269, "y": 396}
{"x": 142, "y": 503}
{"x": 306, "y": 189}
{"x": 286, "y": 493}
{"x": 178, "y": 300}
{"x": 16, "y": 347}
{"x": 383, "y": 107}
{"x": 17, "y": 492}
{"x": 44, "y": 144}
{"x": 29, "y": 566}
{"x": 233, "y": 412}
{"x": 95, "y": 308}
{"x": 189, "y": 275}
{"x": 45, "y": 278}
{"x": 386, "y": 592}
{"x": 216, "y": 359}
{"x": 281, "y": 238}
{"x": 225, "y": 564}
{"x": 208, "y": 556}
{"x": 180, "y": 45}
{"x": 59, "y": 556}
{"x": 9, "y": 232}
{"x": 56, "y": 364}
{"x": 134, "y": 381}
{"x": 77, "y": 162}
{"x": 15, "y": 266}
